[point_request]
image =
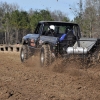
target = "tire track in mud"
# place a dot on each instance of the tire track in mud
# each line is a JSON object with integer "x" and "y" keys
{"x": 28, "y": 81}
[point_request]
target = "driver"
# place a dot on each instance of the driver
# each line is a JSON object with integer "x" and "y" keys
{"x": 52, "y": 27}
{"x": 51, "y": 30}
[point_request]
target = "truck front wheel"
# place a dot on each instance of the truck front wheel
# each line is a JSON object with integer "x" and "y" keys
{"x": 24, "y": 53}
{"x": 45, "y": 56}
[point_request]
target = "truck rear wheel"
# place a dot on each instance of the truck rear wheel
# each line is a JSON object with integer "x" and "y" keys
{"x": 96, "y": 56}
{"x": 45, "y": 56}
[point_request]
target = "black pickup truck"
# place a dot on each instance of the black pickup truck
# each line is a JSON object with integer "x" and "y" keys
{"x": 54, "y": 38}
{"x": 50, "y": 38}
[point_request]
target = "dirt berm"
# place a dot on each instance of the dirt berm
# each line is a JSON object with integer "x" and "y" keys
{"x": 31, "y": 82}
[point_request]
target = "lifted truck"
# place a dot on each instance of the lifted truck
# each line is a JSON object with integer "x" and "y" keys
{"x": 54, "y": 38}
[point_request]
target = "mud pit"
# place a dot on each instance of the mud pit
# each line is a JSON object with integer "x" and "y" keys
{"x": 30, "y": 82}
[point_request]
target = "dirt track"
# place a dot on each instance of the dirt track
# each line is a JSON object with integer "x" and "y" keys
{"x": 30, "y": 82}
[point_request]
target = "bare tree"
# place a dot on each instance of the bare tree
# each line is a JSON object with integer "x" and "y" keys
{"x": 6, "y": 9}
{"x": 88, "y": 17}
{"x": 58, "y": 15}
{"x": 91, "y": 16}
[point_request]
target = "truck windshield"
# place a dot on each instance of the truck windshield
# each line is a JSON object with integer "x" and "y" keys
{"x": 58, "y": 29}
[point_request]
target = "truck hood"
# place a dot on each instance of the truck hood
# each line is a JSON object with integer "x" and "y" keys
{"x": 31, "y": 36}
{"x": 49, "y": 39}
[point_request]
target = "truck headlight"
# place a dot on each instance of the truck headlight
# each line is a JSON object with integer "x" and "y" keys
{"x": 32, "y": 42}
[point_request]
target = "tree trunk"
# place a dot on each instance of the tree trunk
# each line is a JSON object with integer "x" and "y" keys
{"x": 5, "y": 37}
{"x": 17, "y": 36}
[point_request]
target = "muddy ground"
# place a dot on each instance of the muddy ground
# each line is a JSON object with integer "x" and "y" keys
{"x": 29, "y": 81}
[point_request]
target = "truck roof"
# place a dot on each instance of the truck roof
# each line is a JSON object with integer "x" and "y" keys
{"x": 60, "y": 22}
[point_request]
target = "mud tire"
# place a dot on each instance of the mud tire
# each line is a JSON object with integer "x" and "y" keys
{"x": 96, "y": 56}
{"x": 25, "y": 53}
{"x": 45, "y": 56}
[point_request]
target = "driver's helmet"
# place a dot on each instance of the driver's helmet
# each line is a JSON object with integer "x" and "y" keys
{"x": 52, "y": 27}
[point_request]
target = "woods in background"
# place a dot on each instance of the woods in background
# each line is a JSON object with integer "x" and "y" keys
{"x": 15, "y": 23}
{"x": 87, "y": 16}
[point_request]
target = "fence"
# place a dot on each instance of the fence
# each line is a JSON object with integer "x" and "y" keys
{"x": 12, "y": 48}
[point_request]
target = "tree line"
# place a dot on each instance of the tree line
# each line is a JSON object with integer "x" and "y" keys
{"x": 15, "y": 22}
{"x": 87, "y": 16}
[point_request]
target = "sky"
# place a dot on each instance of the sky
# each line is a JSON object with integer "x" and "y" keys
{"x": 52, "y": 5}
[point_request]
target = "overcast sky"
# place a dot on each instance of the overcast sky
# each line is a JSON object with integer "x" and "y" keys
{"x": 62, "y": 5}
